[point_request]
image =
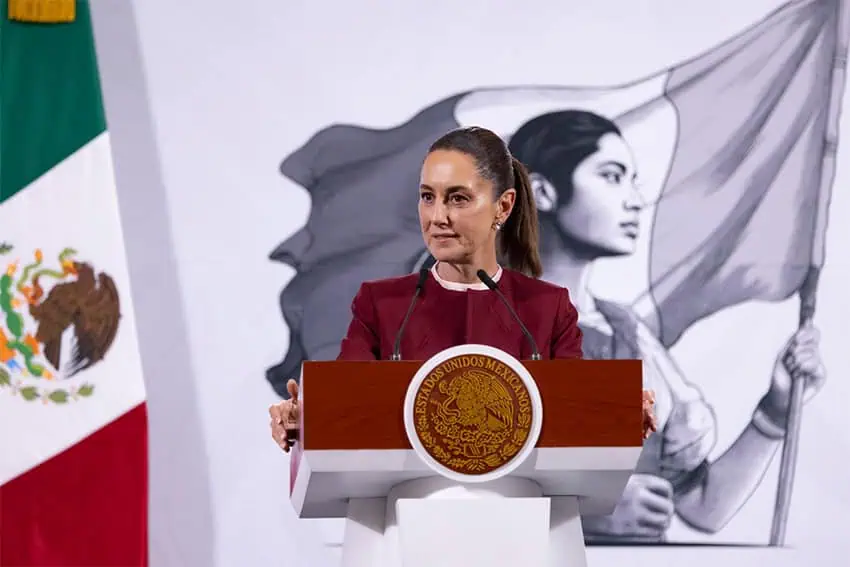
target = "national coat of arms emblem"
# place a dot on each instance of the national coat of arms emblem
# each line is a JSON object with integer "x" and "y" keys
{"x": 55, "y": 322}
{"x": 472, "y": 414}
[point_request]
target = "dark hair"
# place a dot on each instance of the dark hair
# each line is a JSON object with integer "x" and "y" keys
{"x": 517, "y": 243}
{"x": 554, "y": 144}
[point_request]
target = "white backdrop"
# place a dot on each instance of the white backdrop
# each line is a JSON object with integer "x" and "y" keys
{"x": 204, "y": 99}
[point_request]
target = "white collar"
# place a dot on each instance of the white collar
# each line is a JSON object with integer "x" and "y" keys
{"x": 454, "y": 286}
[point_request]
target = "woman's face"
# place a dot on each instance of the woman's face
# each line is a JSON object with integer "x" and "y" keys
{"x": 605, "y": 205}
{"x": 457, "y": 209}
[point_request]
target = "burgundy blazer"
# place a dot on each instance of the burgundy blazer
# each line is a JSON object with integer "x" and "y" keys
{"x": 444, "y": 318}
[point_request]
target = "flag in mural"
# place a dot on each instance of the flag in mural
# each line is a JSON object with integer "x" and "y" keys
{"x": 73, "y": 472}
{"x": 735, "y": 139}
{"x": 735, "y": 149}
{"x": 751, "y": 180}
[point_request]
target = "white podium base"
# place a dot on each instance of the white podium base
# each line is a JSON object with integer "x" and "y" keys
{"x": 434, "y": 521}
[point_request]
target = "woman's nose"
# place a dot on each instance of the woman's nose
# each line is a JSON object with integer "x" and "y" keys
{"x": 634, "y": 200}
{"x": 439, "y": 214}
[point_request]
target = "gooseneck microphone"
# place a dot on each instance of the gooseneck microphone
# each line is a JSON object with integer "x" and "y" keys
{"x": 488, "y": 281}
{"x": 420, "y": 284}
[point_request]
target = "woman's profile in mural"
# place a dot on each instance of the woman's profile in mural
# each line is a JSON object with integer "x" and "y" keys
{"x": 584, "y": 177}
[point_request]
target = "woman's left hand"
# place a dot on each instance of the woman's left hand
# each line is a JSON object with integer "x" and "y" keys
{"x": 800, "y": 359}
{"x": 649, "y": 422}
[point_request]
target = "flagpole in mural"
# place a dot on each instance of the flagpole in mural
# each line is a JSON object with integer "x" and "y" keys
{"x": 808, "y": 291}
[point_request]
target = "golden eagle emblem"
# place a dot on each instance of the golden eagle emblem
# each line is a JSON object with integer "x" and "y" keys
{"x": 55, "y": 322}
{"x": 475, "y": 399}
{"x": 472, "y": 414}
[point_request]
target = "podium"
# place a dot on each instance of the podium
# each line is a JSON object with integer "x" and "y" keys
{"x": 455, "y": 462}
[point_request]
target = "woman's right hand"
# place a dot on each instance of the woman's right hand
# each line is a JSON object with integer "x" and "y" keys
{"x": 284, "y": 416}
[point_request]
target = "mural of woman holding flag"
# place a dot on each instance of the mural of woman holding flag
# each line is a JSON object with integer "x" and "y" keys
{"x": 737, "y": 218}
{"x": 583, "y": 174}
{"x": 584, "y": 177}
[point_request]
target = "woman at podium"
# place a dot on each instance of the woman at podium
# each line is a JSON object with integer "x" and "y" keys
{"x": 479, "y": 222}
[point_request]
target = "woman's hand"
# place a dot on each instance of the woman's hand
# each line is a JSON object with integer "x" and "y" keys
{"x": 650, "y": 425}
{"x": 284, "y": 417}
{"x": 645, "y": 511}
{"x": 800, "y": 359}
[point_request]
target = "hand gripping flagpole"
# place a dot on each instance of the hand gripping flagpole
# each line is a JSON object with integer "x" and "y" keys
{"x": 808, "y": 291}
{"x": 788, "y": 464}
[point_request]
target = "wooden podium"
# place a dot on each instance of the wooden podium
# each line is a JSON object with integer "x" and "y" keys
{"x": 354, "y": 459}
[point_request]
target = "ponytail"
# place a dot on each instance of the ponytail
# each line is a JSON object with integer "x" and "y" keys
{"x": 519, "y": 236}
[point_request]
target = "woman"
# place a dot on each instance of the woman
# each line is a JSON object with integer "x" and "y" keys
{"x": 475, "y": 208}
{"x": 583, "y": 180}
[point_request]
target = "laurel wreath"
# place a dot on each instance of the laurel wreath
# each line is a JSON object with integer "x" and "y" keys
{"x": 494, "y": 457}
{"x": 46, "y": 395}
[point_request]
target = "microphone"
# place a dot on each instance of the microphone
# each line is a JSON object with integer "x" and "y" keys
{"x": 488, "y": 281}
{"x": 423, "y": 275}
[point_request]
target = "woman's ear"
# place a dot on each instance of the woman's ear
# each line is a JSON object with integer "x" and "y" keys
{"x": 503, "y": 207}
{"x": 545, "y": 194}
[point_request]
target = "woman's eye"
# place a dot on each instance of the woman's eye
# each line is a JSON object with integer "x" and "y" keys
{"x": 457, "y": 199}
{"x": 426, "y": 197}
{"x": 612, "y": 177}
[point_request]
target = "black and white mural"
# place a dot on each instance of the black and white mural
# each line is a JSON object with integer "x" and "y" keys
{"x": 697, "y": 189}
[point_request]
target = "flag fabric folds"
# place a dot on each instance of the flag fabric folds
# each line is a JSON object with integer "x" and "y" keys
{"x": 738, "y": 216}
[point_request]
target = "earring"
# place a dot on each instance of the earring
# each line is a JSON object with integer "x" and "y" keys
{"x": 498, "y": 226}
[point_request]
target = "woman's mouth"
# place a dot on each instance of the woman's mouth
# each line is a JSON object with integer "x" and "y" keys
{"x": 631, "y": 228}
{"x": 443, "y": 237}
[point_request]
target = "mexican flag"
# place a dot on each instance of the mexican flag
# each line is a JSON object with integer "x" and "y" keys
{"x": 73, "y": 429}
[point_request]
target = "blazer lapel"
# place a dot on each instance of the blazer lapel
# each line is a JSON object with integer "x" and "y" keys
{"x": 506, "y": 334}
{"x": 418, "y": 331}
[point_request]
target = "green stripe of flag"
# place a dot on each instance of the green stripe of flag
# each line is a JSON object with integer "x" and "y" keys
{"x": 50, "y": 99}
